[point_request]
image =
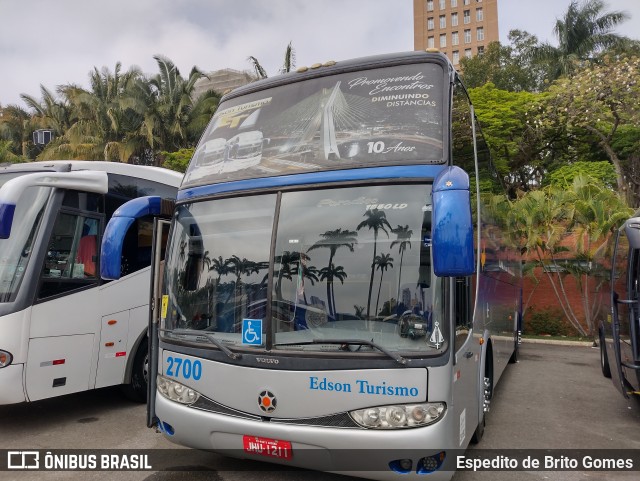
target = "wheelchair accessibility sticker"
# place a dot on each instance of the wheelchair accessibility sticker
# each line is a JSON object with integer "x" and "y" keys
{"x": 252, "y": 332}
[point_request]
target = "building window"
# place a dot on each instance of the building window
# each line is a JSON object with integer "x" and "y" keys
{"x": 467, "y": 2}
{"x": 467, "y": 36}
{"x": 454, "y": 3}
{"x": 443, "y": 21}
{"x": 479, "y": 15}
{"x": 456, "y": 57}
{"x": 443, "y": 40}
{"x": 467, "y": 16}
{"x": 429, "y": 5}
{"x": 430, "y": 23}
{"x": 454, "y": 19}
{"x": 431, "y": 43}
{"x": 443, "y": 4}
{"x": 480, "y": 48}
{"x": 467, "y": 52}
{"x": 480, "y": 33}
{"x": 455, "y": 40}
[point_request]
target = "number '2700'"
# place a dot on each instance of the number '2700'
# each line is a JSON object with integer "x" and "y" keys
{"x": 178, "y": 367}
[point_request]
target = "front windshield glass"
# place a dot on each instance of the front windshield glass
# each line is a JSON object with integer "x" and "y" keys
{"x": 349, "y": 264}
{"x": 16, "y": 250}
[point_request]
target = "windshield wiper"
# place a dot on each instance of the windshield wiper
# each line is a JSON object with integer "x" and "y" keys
{"x": 358, "y": 342}
{"x": 207, "y": 335}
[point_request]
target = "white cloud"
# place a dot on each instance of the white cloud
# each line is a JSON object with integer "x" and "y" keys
{"x": 59, "y": 42}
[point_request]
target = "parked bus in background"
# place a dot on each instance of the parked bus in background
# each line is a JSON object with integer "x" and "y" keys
{"x": 62, "y": 329}
{"x": 335, "y": 295}
{"x": 619, "y": 314}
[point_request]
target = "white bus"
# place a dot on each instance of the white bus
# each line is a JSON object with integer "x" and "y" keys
{"x": 63, "y": 329}
{"x": 348, "y": 302}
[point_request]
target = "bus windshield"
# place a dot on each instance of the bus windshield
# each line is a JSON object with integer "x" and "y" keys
{"x": 348, "y": 264}
{"x": 374, "y": 117}
{"x": 16, "y": 250}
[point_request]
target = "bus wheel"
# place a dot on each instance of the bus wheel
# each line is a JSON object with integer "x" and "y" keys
{"x": 136, "y": 390}
{"x": 514, "y": 355}
{"x": 487, "y": 395}
{"x": 604, "y": 360}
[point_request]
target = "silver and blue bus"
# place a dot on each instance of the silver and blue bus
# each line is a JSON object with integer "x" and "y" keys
{"x": 335, "y": 293}
{"x": 616, "y": 289}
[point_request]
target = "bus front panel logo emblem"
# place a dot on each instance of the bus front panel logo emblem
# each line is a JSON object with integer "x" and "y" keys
{"x": 267, "y": 401}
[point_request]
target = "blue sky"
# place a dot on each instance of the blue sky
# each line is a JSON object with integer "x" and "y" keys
{"x": 59, "y": 42}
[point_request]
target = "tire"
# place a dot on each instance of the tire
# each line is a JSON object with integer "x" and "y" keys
{"x": 488, "y": 394}
{"x": 136, "y": 390}
{"x": 479, "y": 432}
{"x": 604, "y": 360}
{"x": 514, "y": 355}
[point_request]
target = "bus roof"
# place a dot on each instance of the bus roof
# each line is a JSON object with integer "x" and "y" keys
{"x": 156, "y": 174}
{"x": 334, "y": 67}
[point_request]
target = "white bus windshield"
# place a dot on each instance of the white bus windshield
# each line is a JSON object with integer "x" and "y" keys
{"x": 373, "y": 117}
{"x": 16, "y": 250}
{"x": 348, "y": 264}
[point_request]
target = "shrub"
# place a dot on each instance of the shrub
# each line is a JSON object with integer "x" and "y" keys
{"x": 547, "y": 321}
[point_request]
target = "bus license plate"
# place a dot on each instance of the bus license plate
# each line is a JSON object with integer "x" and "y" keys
{"x": 274, "y": 448}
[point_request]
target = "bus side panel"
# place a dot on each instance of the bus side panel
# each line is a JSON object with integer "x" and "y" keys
{"x": 112, "y": 358}
{"x": 58, "y": 365}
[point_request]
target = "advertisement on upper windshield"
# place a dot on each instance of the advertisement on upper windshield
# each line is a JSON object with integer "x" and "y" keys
{"x": 385, "y": 116}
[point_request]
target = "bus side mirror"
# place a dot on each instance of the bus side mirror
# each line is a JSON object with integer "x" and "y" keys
{"x": 632, "y": 229}
{"x": 452, "y": 225}
{"x": 122, "y": 219}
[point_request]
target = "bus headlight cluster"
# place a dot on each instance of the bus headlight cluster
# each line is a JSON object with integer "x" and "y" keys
{"x": 399, "y": 416}
{"x": 5, "y": 358}
{"x": 174, "y": 391}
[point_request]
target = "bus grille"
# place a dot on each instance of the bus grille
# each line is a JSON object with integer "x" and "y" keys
{"x": 340, "y": 420}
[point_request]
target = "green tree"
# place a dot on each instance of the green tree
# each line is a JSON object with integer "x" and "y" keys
{"x": 102, "y": 120}
{"x": 596, "y": 106}
{"x": 584, "y": 31}
{"x": 178, "y": 161}
{"x": 509, "y": 67}
{"x": 288, "y": 63}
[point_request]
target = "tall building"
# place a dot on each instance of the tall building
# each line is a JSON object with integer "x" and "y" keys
{"x": 457, "y": 27}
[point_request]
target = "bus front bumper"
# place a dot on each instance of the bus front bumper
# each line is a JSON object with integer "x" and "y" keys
{"x": 372, "y": 454}
{"x": 11, "y": 387}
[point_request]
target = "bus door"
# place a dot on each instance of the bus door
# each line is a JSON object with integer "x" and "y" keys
{"x": 157, "y": 310}
{"x": 466, "y": 362}
{"x": 626, "y": 314}
{"x": 66, "y": 311}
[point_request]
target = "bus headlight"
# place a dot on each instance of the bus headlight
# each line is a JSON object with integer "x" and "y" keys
{"x": 399, "y": 416}
{"x": 5, "y": 358}
{"x": 174, "y": 391}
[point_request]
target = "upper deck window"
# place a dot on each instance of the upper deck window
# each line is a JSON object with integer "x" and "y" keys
{"x": 365, "y": 118}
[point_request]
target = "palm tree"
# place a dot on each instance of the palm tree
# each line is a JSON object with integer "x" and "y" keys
{"x": 403, "y": 241}
{"x": 103, "y": 118}
{"x": 172, "y": 118}
{"x": 377, "y": 221}
{"x": 333, "y": 240}
{"x": 16, "y": 126}
{"x": 382, "y": 263}
{"x": 330, "y": 273}
{"x": 583, "y": 31}
{"x": 288, "y": 64}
